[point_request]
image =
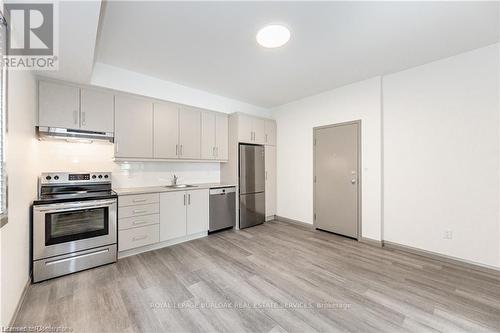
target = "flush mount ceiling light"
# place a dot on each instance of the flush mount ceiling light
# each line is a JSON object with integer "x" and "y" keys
{"x": 272, "y": 36}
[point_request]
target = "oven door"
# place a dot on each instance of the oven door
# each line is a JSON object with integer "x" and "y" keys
{"x": 73, "y": 226}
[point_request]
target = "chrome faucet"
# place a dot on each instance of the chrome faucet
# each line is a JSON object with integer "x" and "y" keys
{"x": 174, "y": 179}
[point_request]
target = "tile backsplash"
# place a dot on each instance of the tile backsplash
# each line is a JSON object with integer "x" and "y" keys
{"x": 98, "y": 156}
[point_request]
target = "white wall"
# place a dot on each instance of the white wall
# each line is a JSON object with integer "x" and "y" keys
{"x": 132, "y": 82}
{"x": 441, "y": 156}
{"x": 295, "y": 122}
{"x": 22, "y": 170}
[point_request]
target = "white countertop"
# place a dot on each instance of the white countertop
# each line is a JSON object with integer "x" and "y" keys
{"x": 163, "y": 188}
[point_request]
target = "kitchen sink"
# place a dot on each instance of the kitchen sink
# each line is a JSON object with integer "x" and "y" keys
{"x": 180, "y": 186}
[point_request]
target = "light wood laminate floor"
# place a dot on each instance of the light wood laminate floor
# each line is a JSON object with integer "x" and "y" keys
{"x": 275, "y": 277}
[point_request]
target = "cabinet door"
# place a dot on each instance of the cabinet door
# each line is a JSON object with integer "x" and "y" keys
{"x": 172, "y": 215}
{"x": 133, "y": 127}
{"x": 270, "y": 136}
{"x": 270, "y": 187}
{"x": 166, "y": 130}
{"x": 97, "y": 108}
{"x": 245, "y": 129}
{"x": 197, "y": 211}
{"x": 259, "y": 130}
{"x": 208, "y": 133}
{"x": 221, "y": 136}
{"x": 189, "y": 133}
{"x": 58, "y": 105}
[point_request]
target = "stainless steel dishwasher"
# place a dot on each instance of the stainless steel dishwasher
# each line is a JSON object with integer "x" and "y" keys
{"x": 222, "y": 208}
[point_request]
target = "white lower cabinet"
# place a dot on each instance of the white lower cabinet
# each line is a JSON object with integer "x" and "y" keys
{"x": 197, "y": 212}
{"x": 136, "y": 237}
{"x": 183, "y": 213}
{"x": 172, "y": 215}
{"x": 142, "y": 220}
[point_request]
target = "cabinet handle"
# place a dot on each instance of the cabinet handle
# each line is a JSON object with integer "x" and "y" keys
{"x": 266, "y": 137}
{"x": 176, "y": 150}
{"x": 75, "y": 117}
{"x": 266, "y": 175}
{"x": 139, "y": 200}
{"x": 138, "y": 211}
{"x": 189, "y": 199}
{"x": 184, "y": 200}
{"x": 84, "y": 122}
{"x": 213, "y": 151}
{"x": 139, "y": 222}
{"x": 139, "y": 238}
{"x": 180, "y": 149}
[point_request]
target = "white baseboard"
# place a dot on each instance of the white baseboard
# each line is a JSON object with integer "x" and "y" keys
{"x": 20, "y": 302}
{"x": 160, "y": 245}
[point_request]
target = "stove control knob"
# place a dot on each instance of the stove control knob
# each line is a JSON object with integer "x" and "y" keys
{"x": 48, "y": 178}
{"x": 56, "y": 177}
{"x": 93, "y": 176}
{"x": 100, "y": 176}
{"x": 106, "y": 176}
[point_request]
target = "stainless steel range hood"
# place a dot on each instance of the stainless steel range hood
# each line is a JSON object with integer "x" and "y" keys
{"x": 72, "y": 134}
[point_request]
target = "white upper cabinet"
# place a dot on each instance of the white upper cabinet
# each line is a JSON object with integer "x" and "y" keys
{"x": 214, "y": 135}
{"x": 58, "y": 105}
{"x": 270, "y": 136}
{"x": 245, "y": 128}
{"x": 189, "y": 133}
{"x": 259, "y": 130}
{"x": 133, "y": 127}
{"x": 166, "y": 130}
{"x": 251, "y": 129}
{"x": 73, "y": 107}
{"x": 208, "y": 133}
{"x": 96, "y": 113}
{"x": 221, "y": 136}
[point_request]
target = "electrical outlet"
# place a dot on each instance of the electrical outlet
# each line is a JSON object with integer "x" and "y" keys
{"x": 448, "y": 234}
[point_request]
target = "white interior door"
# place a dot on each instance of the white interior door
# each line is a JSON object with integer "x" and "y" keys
{"x": 166, "y": 130}
{"x": 336, "y": 186}
{"x": 172, "y": 215}
{"x": 189, "y": 133}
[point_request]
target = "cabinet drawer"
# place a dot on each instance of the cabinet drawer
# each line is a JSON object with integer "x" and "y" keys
{"x": 139, "y": 210}
{"x": 136, "y": 237}
{"x": 139, "y": 221}
{"x": 138, "y": 199}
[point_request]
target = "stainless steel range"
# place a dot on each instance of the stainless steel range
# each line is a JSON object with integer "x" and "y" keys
{"x": 74, "y": 223}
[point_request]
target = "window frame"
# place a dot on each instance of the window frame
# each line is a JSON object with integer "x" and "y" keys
{"x": 4, "y": 203}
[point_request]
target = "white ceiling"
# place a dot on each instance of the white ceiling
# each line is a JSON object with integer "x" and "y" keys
{"x": 211, "y": 45}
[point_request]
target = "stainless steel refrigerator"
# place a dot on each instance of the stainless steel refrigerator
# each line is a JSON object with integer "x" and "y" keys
{"x": 252, "y": 182}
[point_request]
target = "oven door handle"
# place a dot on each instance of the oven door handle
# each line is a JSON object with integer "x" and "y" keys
{"x": 58, "y": 261}
{"x": 74, "y": 206}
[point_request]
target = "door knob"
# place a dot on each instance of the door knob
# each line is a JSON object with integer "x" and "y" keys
{"x": 353, "y": 181}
